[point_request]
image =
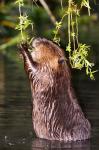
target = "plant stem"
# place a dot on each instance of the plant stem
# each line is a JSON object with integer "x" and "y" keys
{"x": 77, "y": 30}
{"x": 20, "y": 12}
{"x": 69, "y": 21}
{"x": 88, "y": 8}
{"x": 72, "y": 24}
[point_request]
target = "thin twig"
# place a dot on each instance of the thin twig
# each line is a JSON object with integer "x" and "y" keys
{"x": 62, "y": 4}
{"x": 73, "y": 32}
{"x": 77, "y": 29}
{"x": 69, "y": 30}
{"x": 52, "y": 17}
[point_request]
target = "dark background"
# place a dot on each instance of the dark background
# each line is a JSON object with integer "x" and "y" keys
{"x": 15, "y": 98}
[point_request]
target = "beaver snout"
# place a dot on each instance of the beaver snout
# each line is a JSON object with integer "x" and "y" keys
{"x": 36, "y": 42}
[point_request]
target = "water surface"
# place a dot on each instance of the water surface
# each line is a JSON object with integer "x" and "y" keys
{"x": 15, "y": 111}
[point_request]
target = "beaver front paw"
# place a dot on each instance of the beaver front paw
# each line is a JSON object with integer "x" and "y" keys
{"x": 23, "y": 47}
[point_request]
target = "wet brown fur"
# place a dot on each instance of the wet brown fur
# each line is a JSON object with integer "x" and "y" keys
{"x": 56, "y": 113}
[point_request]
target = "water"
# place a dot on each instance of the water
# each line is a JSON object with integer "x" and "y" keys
{"x": 15, "y": 111}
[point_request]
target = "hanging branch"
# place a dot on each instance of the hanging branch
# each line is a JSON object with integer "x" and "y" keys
{"x": 24, "y": 22}
{"x": 78, "y": 55}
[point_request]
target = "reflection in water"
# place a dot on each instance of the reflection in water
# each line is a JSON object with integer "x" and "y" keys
{"x": 44, "y": 144}
{"x": 15, "y": 111}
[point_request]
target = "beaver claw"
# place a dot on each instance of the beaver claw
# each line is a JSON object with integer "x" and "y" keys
{"x": 23, "y": 47}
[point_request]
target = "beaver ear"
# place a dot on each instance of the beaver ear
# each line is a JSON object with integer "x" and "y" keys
{"x": 61, "y": 60}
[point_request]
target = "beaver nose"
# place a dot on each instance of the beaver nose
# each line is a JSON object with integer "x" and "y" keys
{"x": 36, "y": 42}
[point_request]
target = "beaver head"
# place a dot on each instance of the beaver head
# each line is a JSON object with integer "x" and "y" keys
{"x": 56, "y": 114}
{"x": 45, "y": 53}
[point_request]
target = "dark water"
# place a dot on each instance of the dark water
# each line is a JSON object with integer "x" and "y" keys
{"x": 15, "y": 111}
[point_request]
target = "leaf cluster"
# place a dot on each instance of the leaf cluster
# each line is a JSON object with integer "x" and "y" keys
{"x": 79, "y": 59}
{"x": 24, "y": 22}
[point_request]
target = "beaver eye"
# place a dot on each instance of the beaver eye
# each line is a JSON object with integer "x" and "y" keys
{"x": 61, "y": 60}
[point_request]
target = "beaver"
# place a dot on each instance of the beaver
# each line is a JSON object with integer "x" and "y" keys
{"x": 56, "y": 114}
